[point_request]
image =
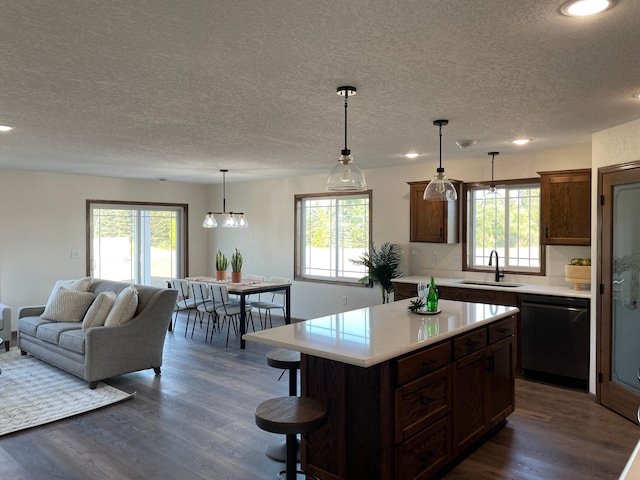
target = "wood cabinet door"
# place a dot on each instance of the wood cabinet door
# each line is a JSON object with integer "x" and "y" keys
{"x": 432, "y": 222}
{"x": 501, "y": 391}
{"x": 566, "y": 207}
{"x": 469, "y": 399}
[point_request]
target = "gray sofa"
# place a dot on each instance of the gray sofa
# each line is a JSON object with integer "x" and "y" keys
{"x": 101, "y": 352}
{"x": 5, "y": 325}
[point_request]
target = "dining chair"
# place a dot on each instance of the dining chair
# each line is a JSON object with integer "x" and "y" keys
{"x": 267, "y": 306}
{"x": 184, "y": 301}
{"x": 230, "y": 312}
{"x": 202, "y": 295}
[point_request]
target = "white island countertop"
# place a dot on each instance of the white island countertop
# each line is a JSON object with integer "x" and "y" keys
{"x": 372, "y": 335}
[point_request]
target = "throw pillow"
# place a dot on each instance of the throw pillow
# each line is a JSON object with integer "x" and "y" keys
{"x": 99, "y": 310}
{"x": 124, "y": 309}
{"x": 68, "y": 305}
{"x": 80, "y": 285}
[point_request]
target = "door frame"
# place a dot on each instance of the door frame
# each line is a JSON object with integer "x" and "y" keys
{"x": 608, "y": 393}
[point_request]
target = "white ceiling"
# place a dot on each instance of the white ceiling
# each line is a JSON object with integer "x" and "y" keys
{"x": 179, "y": 89}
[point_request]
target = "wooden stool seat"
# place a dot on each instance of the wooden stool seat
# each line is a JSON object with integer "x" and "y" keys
{"x": 290, "y": 416}
{"x": 283, "y": 358}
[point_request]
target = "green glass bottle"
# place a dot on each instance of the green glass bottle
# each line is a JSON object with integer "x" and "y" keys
{"x": 432, "y": 297}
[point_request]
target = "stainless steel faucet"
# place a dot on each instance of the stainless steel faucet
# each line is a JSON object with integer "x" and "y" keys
{"x": 498, "y": 274}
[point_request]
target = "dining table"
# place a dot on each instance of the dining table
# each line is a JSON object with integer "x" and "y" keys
{"x": 244, "y": 289}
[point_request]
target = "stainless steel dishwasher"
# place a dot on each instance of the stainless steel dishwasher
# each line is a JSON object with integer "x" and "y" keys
{"x": 555, "y": 339}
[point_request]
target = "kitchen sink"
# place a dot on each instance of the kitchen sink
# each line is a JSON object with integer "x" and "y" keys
{"x": 489, "y": 284}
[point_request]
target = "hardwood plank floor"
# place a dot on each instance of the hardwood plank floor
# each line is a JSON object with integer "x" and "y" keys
{"x": 196, "y": 421}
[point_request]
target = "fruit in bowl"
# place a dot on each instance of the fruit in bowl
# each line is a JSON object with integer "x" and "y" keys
{"x": 578, "y": 272}
{"x": 584, "y": 262}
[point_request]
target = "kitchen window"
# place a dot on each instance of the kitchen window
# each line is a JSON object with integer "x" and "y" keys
{"x": 508, "y": 223}
{"x": 330, "y": 231}
{"x": 140, "y": 243}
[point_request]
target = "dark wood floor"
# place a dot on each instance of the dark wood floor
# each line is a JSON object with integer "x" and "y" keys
{"x": 195, "y": 421}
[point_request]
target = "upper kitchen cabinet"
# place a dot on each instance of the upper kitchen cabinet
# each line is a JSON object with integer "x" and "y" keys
{"x": 565, "y": 203}
{"x": 432, "y": 222}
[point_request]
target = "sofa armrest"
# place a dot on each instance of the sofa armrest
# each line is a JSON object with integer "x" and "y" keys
{"x": 33, "y": 311}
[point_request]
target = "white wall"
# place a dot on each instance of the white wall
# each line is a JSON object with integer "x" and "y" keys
{"x": 42, "y": 218}
{"x": 267, "y": 245}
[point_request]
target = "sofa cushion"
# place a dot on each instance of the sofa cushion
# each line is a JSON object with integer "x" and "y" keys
{"x": 124, "y": 309}
{"x": 79, "y": 285}
{"x": 29, "y": 325}
{"x": 50, "y": 332}
{"x": 68, "y": 305}
{"x": 72, "y": 340}
{"x": 99, "y": 310}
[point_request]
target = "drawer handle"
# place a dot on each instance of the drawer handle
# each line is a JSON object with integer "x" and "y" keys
{"x": 504, "y": 330}
{"x": 426, "y": 401}
{"x": 429, "y": 363}
{"x": 472, "y": 343}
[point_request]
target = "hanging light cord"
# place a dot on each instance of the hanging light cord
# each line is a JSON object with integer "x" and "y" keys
{"x": 346, "y": 97}
{"x": 224, "y": 191}
{"x": 440, "y": 169}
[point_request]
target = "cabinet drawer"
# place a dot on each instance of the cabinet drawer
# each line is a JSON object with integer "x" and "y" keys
{"x": 416, "y": 365}
{"x": 402, "y": 291}
{"x": 422, "y": 401}
{"x": 502, "y": 329}
{"x": 469, "y": 343}
{"x": 425, "y": 454}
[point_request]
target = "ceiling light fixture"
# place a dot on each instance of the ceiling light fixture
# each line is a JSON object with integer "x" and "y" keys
{"x": 636, "y": 95}
{"x": 464, "y": 144}
{"x": 584, "y": 8}
{"x": 440, "y": 188}
{"x": 5, "y": 128}
{"x": 230, "y": 220}
{"x": 411, "y": 155}
{"x": 345, "y": 176}
{"x": 492, "y": 194}
{"x": 521, "y": 141}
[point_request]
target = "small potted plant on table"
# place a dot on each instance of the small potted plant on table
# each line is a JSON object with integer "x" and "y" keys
{"x": 236, "y": 267}
{"x": 221, "y": 265}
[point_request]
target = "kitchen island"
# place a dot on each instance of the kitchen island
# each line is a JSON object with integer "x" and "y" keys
{"x": 407, "y": 394}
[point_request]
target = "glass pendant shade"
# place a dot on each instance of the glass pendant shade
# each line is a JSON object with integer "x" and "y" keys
{"x": 346, "y": 176}
{"x": 440, "y": 188}
{"x": 229, "y": 218}
{"x": 492, "y": 193}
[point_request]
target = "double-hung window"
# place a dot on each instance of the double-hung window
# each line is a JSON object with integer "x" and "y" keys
{"x": 140, "y": 243}
{"x": 507, "y": 221}
{"x": 330, "y": 231}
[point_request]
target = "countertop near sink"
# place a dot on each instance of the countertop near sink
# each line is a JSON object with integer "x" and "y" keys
{"x": 558, "y": 290}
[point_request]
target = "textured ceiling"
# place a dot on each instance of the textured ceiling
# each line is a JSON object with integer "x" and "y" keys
{"x": 179, "y": 89}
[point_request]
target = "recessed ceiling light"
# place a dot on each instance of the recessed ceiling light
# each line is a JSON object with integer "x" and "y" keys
{"x": 521, "y": 141}
{"x": 5, "y": 128}
{"x": 411, "y": 155}
{"x": 636, "y": 95}
{"x": 584, "y": 8}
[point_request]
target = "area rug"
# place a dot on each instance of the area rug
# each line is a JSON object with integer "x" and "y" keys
{"x": 34, "y": 393}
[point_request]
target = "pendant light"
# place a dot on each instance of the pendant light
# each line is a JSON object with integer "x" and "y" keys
{"x": 345, "y": 176}
{"x": 492, "y": 194}
{"x": 230, "y": 220}
{"x": 440, "y": 189}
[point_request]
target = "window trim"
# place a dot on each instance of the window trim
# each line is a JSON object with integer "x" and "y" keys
{"x": 466, "y": 187}
{"x": 297, "y": 259}
{"x": 122, "y": 203}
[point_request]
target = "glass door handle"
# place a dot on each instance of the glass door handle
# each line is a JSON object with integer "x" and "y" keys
{"x": 638, "y": 374}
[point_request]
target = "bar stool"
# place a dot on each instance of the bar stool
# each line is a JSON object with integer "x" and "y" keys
{"x": 286, "y": 360}
{"x": 291, "y": 416}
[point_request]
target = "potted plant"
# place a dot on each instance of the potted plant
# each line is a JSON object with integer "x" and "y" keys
{"x": 221, "y": 265}
{"x": 383, "y": 266}
{"x": 236, "y": 267}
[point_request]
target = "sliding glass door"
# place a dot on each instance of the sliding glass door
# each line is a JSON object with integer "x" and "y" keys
{"x": 137, "y": 243}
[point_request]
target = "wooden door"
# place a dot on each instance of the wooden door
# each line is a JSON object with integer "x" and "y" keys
{"x": 619, "y": 280}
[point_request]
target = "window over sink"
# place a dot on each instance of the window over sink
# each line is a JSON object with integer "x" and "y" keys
{"x": 508, "y": 222}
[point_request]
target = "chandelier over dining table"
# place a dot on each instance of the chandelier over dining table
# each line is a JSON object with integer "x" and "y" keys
{"x": 230, "y": 219}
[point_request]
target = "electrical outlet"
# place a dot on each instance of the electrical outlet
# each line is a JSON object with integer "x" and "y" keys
{"x": 434, "y": 258}
{"x": 344, "y": 300}
{"x": 75, "y": 254}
